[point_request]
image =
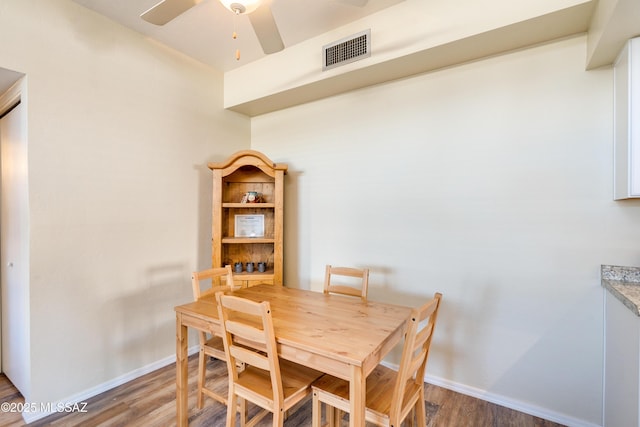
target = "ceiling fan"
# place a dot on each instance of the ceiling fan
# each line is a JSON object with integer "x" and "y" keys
{"x": 259, "y": 13}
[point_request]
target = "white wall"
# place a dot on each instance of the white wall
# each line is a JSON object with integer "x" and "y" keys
{"x": 490, "y": 182}
{"x": 119, "y": 134}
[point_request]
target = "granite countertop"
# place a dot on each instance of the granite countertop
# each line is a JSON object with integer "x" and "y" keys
{"x": 624, "y": 284}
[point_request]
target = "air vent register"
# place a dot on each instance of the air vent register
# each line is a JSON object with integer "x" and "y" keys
{"x": 346, "y": 50}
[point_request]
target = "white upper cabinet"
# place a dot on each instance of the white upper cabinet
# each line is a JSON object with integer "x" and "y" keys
{"x": 627, "y": 122}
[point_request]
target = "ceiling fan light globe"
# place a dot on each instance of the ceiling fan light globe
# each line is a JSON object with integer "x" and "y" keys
{"x": 241, "y": 6}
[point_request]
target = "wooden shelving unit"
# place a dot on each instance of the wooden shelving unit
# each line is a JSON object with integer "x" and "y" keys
{"x": 244, "y": 172}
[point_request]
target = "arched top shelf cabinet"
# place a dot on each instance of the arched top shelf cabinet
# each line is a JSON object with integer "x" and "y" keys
{"x": 247, "y": 217}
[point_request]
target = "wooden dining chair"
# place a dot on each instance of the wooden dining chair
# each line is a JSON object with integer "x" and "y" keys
{"x": 390, "y": 395}
{"x": 215, "y": 279}
{"x": 346, "y": 281}
{"x": 274, "y": 385}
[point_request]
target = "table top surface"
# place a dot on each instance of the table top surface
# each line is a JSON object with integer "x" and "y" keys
{"x": 317, "y": 322}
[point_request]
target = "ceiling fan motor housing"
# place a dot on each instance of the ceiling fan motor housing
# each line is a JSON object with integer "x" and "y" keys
{"x": 238, "y": 8}
{"x": 241, "y": 6}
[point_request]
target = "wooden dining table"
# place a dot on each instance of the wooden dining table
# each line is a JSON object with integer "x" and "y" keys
{"x": 335, "y": 334}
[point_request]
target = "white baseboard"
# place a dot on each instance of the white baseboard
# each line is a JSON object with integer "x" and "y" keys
{"x": 85, "y": 395}
{"x": 526, "y": 408}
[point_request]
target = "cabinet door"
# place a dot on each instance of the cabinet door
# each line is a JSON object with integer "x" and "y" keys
{"x": 627, "y": 122}
{"x": 622, "y": 364}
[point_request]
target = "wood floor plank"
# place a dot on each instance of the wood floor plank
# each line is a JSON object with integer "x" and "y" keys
{"x": 150, "y": 401}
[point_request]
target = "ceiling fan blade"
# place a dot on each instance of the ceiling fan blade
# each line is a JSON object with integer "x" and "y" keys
{"x": 266, "y": 29}
{"x": 359, "y": 3}
{"x": 166, "y": 10}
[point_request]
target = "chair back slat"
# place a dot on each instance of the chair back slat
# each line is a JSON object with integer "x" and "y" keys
{"x": 423, "y": 335}
{"x": 249, "y": 357}
{"x": 416, "y": 361}
{"x": 245, "y": 331}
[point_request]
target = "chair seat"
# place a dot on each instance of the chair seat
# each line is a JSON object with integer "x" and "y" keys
{"x": 380, "y": 384}
{"x": 294, "y": 379}
{"x": 214, "y": 347}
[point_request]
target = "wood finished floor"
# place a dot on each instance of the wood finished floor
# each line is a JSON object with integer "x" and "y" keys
{"x": 150, "y": 401}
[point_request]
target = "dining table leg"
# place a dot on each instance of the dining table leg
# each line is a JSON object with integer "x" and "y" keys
{"x": 357, "y": 390}
{"x": 182, "y": 409}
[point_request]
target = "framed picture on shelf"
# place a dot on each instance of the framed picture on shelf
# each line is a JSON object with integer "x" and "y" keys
{"x": 249, "y": 226}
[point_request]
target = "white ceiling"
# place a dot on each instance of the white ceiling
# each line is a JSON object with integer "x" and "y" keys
{"x": 204, "y": 31}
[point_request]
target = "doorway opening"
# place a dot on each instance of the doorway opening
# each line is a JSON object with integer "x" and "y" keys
{"x": 14, "y": 233}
